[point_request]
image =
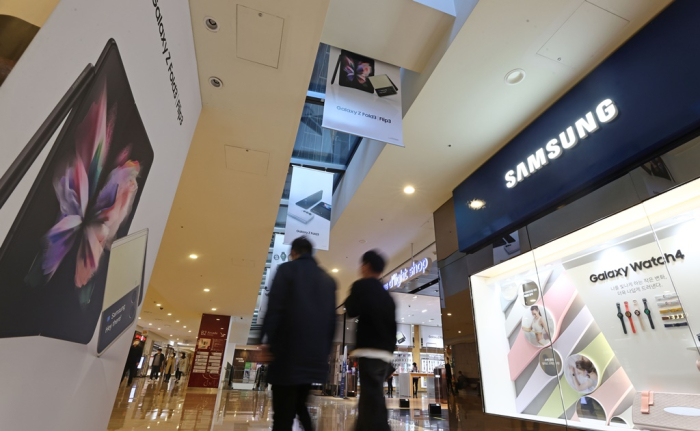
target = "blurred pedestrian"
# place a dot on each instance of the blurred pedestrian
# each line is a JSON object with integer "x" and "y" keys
{"x": 299, "y": 326}
{"x": 375, "y": 342}
{"x": 158, "y": 361}
{"x": 132, "y": 361}
{"x": 169, "y": 367}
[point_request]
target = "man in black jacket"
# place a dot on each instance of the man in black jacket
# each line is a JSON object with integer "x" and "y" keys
{"x": 158, "y": 362}
{"x": 376, "y": 340}
{"x": 299, "y": 326}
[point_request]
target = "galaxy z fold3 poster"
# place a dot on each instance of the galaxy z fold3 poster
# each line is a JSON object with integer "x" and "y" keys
{"x": 54, "y": 259}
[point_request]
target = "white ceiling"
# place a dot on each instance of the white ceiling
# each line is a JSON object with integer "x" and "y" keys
{"x": 410, "y": 309}
{"x": 399, "y": 32}
{"x": 224, "y": 213}
{"x": 462, "y": 116}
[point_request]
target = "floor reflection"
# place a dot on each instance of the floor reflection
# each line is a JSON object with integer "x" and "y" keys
{"x": 162, "y": 406}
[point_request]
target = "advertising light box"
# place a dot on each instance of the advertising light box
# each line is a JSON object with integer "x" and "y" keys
{"x": 578, "y": 331}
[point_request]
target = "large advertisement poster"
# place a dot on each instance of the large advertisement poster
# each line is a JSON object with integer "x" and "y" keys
{"x": 363, "y": 97}
{"x": 309, "y": 210}
{"x": 280, "y": 255}
{"x": 209, "y": 351}
{"x": 97, "y": 117}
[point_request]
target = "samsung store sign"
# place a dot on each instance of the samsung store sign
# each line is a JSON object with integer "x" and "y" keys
{"x": 405, "y": 274}
{"x": 605, "y": 112}
{"x": 638, "y": 103}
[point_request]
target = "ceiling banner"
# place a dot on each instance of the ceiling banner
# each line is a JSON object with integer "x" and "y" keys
{"x": 363, "y": 97}
{"x": 280, "y": 255}
{"x": 309, "y": 211}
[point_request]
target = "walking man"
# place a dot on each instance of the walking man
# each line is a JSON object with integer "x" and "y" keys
{"x": 299, "y": 326}
{"x": 158, "y": 360}
{"x": 376, "y": 340}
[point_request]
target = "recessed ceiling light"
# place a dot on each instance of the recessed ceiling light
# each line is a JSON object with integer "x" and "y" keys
{"x": 218, "y": 318}
{"x": 515, "y": 76}
{"x": 193, "y": 256}
{"x": 211, "y": 24}
{"x": 171, "y": 335}
{"x": 170, "y": 314}
{"x": 409, "y": 190}
{"x": 424, "y": 311}
{"x": 177, "y": 321}
{"x": 459, "y": 332}
{"x": 159, "y": 329}
{"x": 449, "y": 314}
{"x": 158, "y": 305}
{"x": 415, "y": 297}
{"x": 150, "y": 324}
{"x": 216, "y": 82}
{"x": 213, "y": 309}
{"x": 477, "y": 204}
{"x": 189, "y": 330}
{"x": 334, "y": 270}
{"x": 206, "y": 289}
{"x": 139, "y": 318}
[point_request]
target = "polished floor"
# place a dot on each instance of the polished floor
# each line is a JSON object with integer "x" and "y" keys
{"x": 172, "y": 406}
{"x": 151, "y": 405}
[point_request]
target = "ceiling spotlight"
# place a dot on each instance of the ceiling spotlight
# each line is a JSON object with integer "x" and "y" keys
{"x": 334, "y": 270}
{"x": 177, "y": 321}
{"x": 207, "y": 289}
{"x": 415, "y": 297}
{"x": 216, "y": 82}
{"x": 159, "y": 329}
{"x": 409, "y": 190}
{"x": 218, "y": 319}
{"x": 213, "y": 309}
{"x": 459, "y": 332}
{"x": 158, "y": 305}
{"x": 150, "y": 324}
{"x": 170, "y": 314}
{"x": 193, "y": 256}
{"x": 477, "y": 204}
{"x": 211, "y": 24}
{"x": 184, "y": 326}
{"x": 449, "y": 314}
{"x": 189, "y": 330}
{"x": 424, "y": 311}
{"x": 515, "y": 76}
{"x": 139, "y": 318}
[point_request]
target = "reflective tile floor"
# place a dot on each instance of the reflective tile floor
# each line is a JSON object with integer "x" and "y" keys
{"x": 172, "y": 406}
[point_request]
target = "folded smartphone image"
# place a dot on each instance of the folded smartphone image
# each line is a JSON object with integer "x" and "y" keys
{"x": 323, "y": 209}
{"x": 123, "y": 288}
{"x": 383, "y": 85}
{"x": 301, "y": 215}
{"x": 355, "y": 71}
{"x": 54, "y": 261}
{"x": 310, "y": 201}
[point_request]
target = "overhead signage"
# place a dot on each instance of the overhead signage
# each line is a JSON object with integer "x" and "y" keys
{"x": 604, "y": 127}
{"x": 405, "y": 274}
{"x": 363, "y": 97}
{"x": 605, "y": 113}
{"x": 309, "y": 210}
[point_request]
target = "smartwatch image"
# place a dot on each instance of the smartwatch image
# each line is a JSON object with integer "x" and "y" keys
{"x": 673, "y": 325}
{"x": 670, "y": 310}
{"x": 622, "y": 318}
{"x": 629, "y": 316}
{"x": 648, "y": 312}
{"x": 638, "y": 314}
{"x": 673, "y": 317}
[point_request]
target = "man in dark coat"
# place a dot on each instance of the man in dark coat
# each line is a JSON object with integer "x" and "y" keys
{"x": 376, "y": 341}
{"x": 299, "y": 326}
{"x": 132, "y": 361}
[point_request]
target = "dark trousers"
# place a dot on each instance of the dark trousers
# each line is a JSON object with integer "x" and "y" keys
{"x": 167, "y": 377}
{"x": 131, "y": 369}
{"x": 155, "y": 372}
{"x": 372, "y": 414}
{"x": 178, "y": 374}
{"x": 390, "y": 386}
{"x": 289, "y": 402}
{"x": 415, "y": 386}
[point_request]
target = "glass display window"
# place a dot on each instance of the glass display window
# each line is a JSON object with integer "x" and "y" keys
{"x": 587, "y": 329}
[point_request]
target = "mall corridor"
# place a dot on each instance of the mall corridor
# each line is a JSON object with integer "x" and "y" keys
{"x": 409, "y": 214}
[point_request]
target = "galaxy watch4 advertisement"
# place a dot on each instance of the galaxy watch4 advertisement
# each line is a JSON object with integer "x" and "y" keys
{"x": 309, "y": 211}
{"x": 363, "y": 97}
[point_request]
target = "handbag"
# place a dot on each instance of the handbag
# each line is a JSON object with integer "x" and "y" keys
{"x": 661, "y": 411}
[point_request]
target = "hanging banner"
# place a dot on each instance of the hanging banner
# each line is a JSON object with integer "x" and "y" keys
{"x": 209, "y": 352}
{"x": 363, "y": 97}
{"x": 280, "y": 255}
{"x": 97, "y": 117}
{"x": 309, "y": 210}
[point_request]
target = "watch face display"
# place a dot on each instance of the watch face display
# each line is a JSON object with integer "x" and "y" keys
{"x": 628, "y": 314}
{"x": 619, "y": 315}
